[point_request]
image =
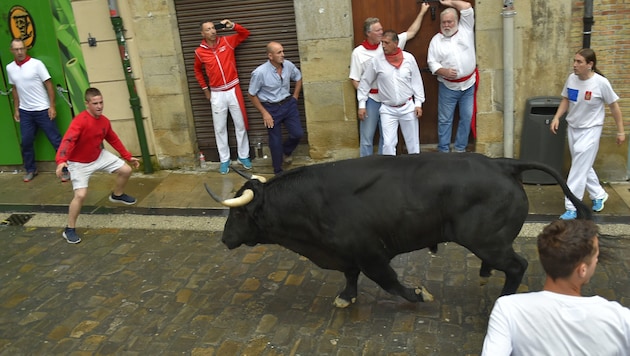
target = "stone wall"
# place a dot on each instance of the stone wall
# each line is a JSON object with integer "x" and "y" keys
{"x": 545, "y": 38}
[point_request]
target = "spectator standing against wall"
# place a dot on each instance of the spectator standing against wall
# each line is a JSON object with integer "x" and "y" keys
{"x": 216, "y": 55}
{"x": 369, "y": 48}
{"x": 452, "y": 58}
{"x": 270, "y": 93}
{"x": 34, "y": 104}
{"x": 401, "y": 90}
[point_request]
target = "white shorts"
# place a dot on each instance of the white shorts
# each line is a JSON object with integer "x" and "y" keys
{"x": 80, "y": 172}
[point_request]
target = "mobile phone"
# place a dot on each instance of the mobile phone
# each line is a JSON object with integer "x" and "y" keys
{"x": 218, "y": 26}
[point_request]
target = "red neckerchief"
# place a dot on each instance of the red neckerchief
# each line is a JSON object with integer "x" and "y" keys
{"x": 19, "y": 63}
{"x": 369, "y": 46}
{"x": 395, "y": 58}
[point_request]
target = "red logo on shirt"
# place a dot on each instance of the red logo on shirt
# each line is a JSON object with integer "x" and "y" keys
{"x": 587, "y": 95}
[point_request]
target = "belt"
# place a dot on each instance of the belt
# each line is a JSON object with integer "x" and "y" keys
{"x": 281, "y": 101}
{"x": 401, "y": 105}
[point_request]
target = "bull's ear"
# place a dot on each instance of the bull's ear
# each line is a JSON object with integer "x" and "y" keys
{"x": 249, "y": 176}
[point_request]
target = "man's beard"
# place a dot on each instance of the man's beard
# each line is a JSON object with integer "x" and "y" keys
{"x": 450, "y": 32}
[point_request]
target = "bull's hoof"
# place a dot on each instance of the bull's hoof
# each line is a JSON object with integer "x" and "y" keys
{"x": 424, "y": 294}
{"x": 342, "y": 303}
{"x": 483, "y": 281}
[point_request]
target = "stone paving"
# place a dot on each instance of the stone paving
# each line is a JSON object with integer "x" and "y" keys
{"x": 150, "y": 292}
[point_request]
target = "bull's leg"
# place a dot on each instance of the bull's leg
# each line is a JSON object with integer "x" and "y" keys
{"x": 349, "y": 294}
{"x": 507, "y": 261}
{"x": 384, "y": 275}
{"x": 514, "y": 271}
{"x": 485, "y": 270}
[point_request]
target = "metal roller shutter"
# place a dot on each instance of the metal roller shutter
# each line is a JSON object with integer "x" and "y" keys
{"x": 268, "y": 21}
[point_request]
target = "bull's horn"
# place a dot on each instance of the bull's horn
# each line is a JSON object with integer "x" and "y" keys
{"x": 249, "y": 175}
{"x": 214, "y": 196}
{"x": 245, "y": 198}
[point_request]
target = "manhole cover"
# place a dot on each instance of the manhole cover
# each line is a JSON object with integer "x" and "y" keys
{"x": 17, "y": 219}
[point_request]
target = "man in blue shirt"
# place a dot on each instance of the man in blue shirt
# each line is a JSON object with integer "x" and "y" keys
{"x": 269, "y": 91}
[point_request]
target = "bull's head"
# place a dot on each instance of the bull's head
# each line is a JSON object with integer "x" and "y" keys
{"x": 241, "y": 226}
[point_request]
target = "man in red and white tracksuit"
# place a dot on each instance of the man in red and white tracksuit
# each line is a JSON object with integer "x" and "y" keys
{"x": 216, "y": 54}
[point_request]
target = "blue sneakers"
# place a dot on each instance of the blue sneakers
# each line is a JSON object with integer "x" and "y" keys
{"x": 225, "y": 167}
{"x": 70, "y": 234}
{"x": 247, "y": 164}
{"x": 569, "y": 215}
{"x": 598, "y": 204}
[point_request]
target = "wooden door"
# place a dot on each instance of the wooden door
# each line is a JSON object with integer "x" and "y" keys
{"x": 398, "y": 15}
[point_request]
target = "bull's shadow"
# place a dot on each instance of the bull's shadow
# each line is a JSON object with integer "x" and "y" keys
{"x": 356, "y": 215}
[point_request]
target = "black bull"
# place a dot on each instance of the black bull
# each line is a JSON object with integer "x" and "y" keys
{"x": 356, "y": 215}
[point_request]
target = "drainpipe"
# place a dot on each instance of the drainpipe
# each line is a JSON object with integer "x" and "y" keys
{"x": 588, "y": 23}
{"x": 134, "y": 100}
{"x": 508, "y": 14}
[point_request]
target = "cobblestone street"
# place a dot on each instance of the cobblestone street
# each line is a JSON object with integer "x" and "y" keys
{"x": 148, "y": 292}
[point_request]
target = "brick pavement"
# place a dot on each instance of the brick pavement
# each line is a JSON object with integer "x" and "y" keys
{"x": 145, "y": 292}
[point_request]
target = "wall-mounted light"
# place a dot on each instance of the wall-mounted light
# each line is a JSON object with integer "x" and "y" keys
{"x": 91, "y": 40}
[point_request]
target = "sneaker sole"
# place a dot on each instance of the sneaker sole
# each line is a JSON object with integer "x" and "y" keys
{"x": 603, "y": 202}
{"x": 121, "y": 201}
{"x": 68, "y": 241}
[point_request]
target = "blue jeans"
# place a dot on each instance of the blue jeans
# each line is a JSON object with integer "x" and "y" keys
{"x": 367, "y": 129}
{"x": 288, "y": 115}
{"x": 447, "y": 101}
{"x": 30, "y": 121}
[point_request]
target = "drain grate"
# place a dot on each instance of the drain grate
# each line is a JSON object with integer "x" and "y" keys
{"x": 17, "y": 219}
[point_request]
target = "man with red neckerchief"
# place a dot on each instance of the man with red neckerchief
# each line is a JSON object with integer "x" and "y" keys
{"x": 371, "y": 47}
{"x": 216, "y": 54}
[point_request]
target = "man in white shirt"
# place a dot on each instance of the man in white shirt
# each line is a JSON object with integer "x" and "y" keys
{"x": 34, "y": 104}
{"x": 451, "y": 57}
{"x": 369, "y": 48}
{"x": 401, "y": 90}
{"x": 558, "y": 320}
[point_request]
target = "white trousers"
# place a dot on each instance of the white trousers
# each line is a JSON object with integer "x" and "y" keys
{"x": 583, "y": 145}
{"x": 221, "y": 102}
{"x": 405, "y": 117}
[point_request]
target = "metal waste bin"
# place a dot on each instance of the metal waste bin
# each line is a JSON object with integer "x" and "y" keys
{"x": 538, "y": 143}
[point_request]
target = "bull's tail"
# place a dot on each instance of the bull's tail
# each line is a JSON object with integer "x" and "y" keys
{"x": 517, "y": 167}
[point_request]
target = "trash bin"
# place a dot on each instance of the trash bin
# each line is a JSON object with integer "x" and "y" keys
{"x": 538, "y": 143}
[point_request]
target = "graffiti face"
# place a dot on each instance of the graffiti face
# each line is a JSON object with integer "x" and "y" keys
{"x": 22, "y": 26}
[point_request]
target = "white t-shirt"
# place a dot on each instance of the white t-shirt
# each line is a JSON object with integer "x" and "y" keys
{"x": 587, "y": 99}
{"x": 361, "y": 55}
{"x": 29, "y": 80}
{"x": 547, "y": 323}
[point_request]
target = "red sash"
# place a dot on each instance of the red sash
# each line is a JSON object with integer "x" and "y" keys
{"x": 241, "y": 103}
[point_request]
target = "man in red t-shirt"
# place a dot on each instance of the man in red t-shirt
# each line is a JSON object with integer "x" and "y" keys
{"x": 81, "y": 151}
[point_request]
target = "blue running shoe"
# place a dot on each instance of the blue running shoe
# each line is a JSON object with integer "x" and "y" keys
{"x": 225, "y": 167}
{"x": 247, "y": 164}
{"x": 598, "y": 204}
{"x": 70, "y": 234}
{"x": 569, "y": 215}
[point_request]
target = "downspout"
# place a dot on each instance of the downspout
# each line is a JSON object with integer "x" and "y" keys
{"x": 134, "y": 100}
{"x": 588, "y": 23}
{"x": 508, "y": 14}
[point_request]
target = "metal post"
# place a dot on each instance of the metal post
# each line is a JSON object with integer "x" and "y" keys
{"x": 134, "y": 100}
{"x": 508, "y": 14}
